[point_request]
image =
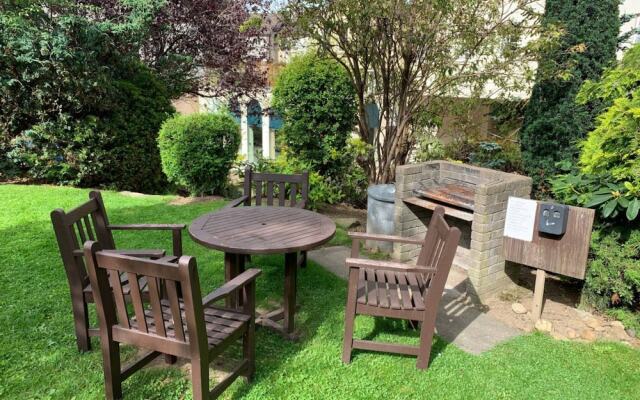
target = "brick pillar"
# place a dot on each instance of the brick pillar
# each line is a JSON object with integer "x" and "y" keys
{"x": 487, "y": 273}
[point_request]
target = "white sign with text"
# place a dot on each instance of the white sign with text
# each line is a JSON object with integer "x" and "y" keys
{"x": 521, "y": 218}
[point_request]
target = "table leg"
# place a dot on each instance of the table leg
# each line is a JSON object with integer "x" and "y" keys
{"x": 290, "y": 272}
{"x": 233, "y": 266}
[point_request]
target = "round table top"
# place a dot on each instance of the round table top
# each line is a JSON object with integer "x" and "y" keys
{"x": 262, "y": 230}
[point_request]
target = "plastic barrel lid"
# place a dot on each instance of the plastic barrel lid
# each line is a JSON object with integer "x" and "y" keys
{"x": 385, "y": 193}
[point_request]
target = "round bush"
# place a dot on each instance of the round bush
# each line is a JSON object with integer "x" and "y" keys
{"x": 198, "y": 150}
{"x": 318, "y": 106}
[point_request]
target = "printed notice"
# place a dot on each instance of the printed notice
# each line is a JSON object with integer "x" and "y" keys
{"x": 521, "y": 218}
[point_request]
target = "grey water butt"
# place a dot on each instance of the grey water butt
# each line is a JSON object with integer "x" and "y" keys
{"x": 380, "y": 213}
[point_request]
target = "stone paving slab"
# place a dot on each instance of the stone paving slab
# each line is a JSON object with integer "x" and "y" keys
{"x": 457, "y": 322}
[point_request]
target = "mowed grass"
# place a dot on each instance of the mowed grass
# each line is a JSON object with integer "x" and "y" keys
{"x": 38, "y": 356}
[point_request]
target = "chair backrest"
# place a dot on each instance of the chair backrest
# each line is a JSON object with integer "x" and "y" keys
{"x": 438, "y": 252}
{"x": 290, "y": 190}
{"x": 146, "y": 327}
{"x": 86, "y": 222}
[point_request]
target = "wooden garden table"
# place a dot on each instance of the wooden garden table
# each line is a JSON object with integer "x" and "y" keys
{"x": 264, "y": 230}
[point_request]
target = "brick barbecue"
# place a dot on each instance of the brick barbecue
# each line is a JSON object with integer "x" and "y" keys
{"x": 475, "y": 200}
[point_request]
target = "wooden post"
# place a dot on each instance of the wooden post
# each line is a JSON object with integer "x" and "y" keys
{"x": 538, "y": 295}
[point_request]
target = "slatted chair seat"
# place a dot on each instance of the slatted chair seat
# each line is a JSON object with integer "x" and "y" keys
{"x": 221, "y": 325}
{"x": 398, "y": 290}
{"x": 393, "y": 290}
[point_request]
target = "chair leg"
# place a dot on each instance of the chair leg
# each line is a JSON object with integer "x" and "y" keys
{"x": 249, "y": 351}
{"x": 426, "y": 338}
{"x": 350, "y": 316}
{"x": 200, "y": 379}
{"x": 112, "y": 376}
{"x": 81, "y": 322}
{"x": 303, "y": 256}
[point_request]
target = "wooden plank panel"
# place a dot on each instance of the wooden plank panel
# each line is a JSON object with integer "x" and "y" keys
{"x": 136, "y": 299}
{"x": 418, "y": 302}
{"x": 258, "y": 193}
{"x": 270, "y": 193}
{"x": 383, "y": 298}
{"x": 156, "y": 307}
{"x": 404, "y": 291}
{"x": 372, "y": 288}
{"x": 394, "y": 299}
{"x": 362, "y": 287}
{"x": 430, "y": 205}
{"x": 293, "y": 194}
{"x": 172, "y": 293}
{"x": 282, "y": 191}
{"x": 566, "y": 255}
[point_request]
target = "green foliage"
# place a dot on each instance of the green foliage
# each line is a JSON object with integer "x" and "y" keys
{"x": 113, "y": 148}
{"x": 428, "y": 148}
{"x": 613, "y": 276}
{"x": 613, "y": 199}
{"x": 614, "y": 146}
{"x": 321, "y": 189}
{"x": 76, "y": 106}
{"x": 485, "y": 154}
{"x": 317, "y": 103}
{"x": 198, "y": 150}
{"x": 608, "y": 174}
{"x": 554, "y": 122}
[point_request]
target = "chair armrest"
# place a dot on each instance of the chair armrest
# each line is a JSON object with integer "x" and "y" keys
{"x": 236, "y": 283}
{"x": 151, "y": 253}
{"x": 146, "y": 227}
{"x": 176, "y": 231}
{"x": 236, "y": 202}
{"x": 386, "y": 266}
{"x": 383, "y": 238}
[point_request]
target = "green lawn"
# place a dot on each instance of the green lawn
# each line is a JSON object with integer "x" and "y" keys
{"x": 38, "y": 357}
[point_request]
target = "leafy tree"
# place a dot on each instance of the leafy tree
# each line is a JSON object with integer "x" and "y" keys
{"x": 554, "y": 123}
{"x": 178, "y": 38}
{"x": 317, "y": 103}
{"x": 409, "y": 57}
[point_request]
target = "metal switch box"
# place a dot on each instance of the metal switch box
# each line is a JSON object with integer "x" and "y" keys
{"x": 553, "y": 219}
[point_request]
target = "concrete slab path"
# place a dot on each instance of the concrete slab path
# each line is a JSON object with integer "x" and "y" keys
{"x": 458, "y": 321}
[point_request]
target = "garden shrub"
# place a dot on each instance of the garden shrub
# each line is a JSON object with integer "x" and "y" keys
{"x": 608, "y": 174}
{"x": 485, "y": 154}
{"x": 607, "y": 178}
{"x": 554, "y": 122}
{"x": 198, "y": 151}
{"x": 613, "y": 276}
{"x": 316, "y": 100}
{"x": 114, "y": 147}
{"x": 322, "y": 190}
{"x": 77, "y": 104}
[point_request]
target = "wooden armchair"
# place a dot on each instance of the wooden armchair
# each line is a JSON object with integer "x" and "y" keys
{"x": 189, "y": 326}
{"x": 292, "y": 191}
{"x": 89, "y": 222}
{"x": 397, "y": 290}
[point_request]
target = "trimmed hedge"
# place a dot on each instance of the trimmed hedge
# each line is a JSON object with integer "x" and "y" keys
{"x": 198, "y": 151}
